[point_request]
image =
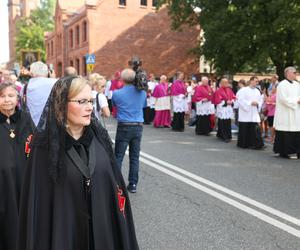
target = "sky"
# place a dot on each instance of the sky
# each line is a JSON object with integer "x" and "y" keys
{"x": 4, "y": 47}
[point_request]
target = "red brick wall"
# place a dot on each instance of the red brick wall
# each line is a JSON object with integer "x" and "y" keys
{"x": 116, "y": 33}
{"x": 80, "y": 48}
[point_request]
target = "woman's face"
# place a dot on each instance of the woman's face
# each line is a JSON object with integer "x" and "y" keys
{"x": 8, "y": 100}
{"x": 79, "y": 114}
{"x": 100, "y": 88}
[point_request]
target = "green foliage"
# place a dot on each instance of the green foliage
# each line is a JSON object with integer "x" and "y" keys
{"x": 30, "y": 30}
{"x": 241, "y": 34}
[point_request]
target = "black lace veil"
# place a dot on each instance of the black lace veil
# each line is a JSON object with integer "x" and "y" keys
{"x": 51, "y": 130}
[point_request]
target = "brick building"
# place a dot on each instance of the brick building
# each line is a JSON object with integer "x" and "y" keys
{"x": 115, "y": 30}
{"x": 16, "y": 10}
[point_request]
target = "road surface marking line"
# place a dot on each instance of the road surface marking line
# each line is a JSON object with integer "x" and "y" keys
{"x": 243, "y": 198}
{"x": 246, "y": 199}
{"x": 225, "y": 199}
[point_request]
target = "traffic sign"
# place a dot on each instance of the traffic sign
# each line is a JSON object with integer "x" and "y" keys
{"x": 90, "y": 59}
{"x": 90, "y": 67}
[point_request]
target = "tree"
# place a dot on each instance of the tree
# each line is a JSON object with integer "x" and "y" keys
{"x": 240, "y": 33}
{"x": 31, "y": 29}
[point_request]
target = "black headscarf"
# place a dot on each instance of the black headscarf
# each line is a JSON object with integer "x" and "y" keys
{"x": 51, "y": 129}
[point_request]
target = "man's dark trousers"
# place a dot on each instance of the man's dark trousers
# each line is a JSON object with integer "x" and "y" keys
{"x": 129, "y": 135}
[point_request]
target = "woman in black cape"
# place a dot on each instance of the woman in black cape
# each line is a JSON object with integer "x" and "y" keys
{"x": 74, "y": 196}
{"x": 15, "y": 133}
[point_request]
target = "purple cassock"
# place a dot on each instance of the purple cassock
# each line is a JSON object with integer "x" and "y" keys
{"x": 162, "y": 105}
{"x": 177, "y": 88}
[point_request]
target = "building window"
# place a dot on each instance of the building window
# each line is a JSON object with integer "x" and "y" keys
{"x": 122, "y": 2}
{"x": 84, "y": 31}
{"x": 77, "y": 34}
{"x": 71, "y": 63}
{"x": 144, "y": 2}
{"x": 71, "y": 38}
{"x": 78, "y": 66}
{"x": 84, "y": 69}
{"x": 154, "y": 3}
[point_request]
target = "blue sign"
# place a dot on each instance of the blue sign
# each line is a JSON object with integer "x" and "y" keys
{"x": 90, "y": 59}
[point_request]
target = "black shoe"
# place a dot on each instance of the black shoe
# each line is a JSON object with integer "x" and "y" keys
{"x": 284, "y": 156}
{"x": 131, "y": 188}
{"x": 260, "y": 148}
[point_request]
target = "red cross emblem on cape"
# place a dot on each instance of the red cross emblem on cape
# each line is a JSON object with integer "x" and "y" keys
{"x": 121, "y": 200}
{"x": 27, "y": 145}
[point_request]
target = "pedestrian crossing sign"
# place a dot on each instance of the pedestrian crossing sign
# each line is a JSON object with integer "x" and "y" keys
{"x": 90, "y": 67}
{"x": 90, "y": 59}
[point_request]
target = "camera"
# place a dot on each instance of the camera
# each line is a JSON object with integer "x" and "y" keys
{"x": 140, "y": 81}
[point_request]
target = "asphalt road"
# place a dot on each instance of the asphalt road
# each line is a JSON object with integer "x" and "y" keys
{"x": 196, "y": 192}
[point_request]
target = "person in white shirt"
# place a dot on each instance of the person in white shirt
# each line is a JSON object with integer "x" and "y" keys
{"x": 108, "y": 94}
{"x": 35, "y": 93}
{"x": 149, "y": 111}
{"x": 97, "y": 83}
{"x": 287, "y": 115}
{"x": 250, "y": 102}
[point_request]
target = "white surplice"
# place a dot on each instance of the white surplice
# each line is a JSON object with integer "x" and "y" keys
{"x": 205, "y": 108}
{"x": 247, "y": 112}
{"x": 287, "y": 113}
{"x": 224, "y": 112}
{"x": 150, "y": 99}
{"x": 179, "y": 103}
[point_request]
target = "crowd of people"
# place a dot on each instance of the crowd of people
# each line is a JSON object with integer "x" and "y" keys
{"x": 60, "y": 183}
{"x": 222, "y": 105}
{"x": 58, "y": 156}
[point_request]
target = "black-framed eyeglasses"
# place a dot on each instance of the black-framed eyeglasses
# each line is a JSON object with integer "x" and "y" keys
{"x": 83, "y": 101}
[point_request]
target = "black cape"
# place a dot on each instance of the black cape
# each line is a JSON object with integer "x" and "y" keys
{"x": 57, "y": 215}
{"x": 12, "y": 166}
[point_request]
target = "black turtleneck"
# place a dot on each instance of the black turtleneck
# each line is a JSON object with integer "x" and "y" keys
{"x": 85, "y": 140}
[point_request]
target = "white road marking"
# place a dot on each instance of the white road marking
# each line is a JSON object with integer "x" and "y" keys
{"x": 240, "y": 206}
{"x": 243, "y": 198}
{"x": 165, "y": 167}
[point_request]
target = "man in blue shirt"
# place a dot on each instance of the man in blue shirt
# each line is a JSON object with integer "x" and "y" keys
{"x": 129, "y": 102}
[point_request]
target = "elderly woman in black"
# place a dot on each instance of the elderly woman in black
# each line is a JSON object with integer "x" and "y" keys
{"x": 15, "y": 134}
{"x": 73, "y": 197}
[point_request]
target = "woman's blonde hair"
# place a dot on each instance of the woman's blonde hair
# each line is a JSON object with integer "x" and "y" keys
{"x": 77, "y": 85}
{"x": 59, "y": 94}
{"x": 96, "y": 79}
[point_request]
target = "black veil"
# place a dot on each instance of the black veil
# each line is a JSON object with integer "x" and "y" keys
{"x": 51, "y": 129}
{"x": 43, "y": 205}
